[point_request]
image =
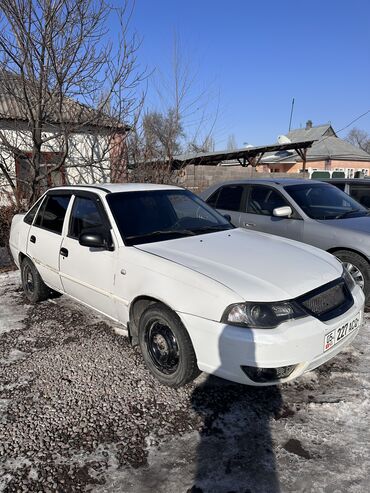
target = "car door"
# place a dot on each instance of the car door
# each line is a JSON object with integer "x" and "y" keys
{"x": 45, "y": 237}
{"x": 228, "y": 200}
{"x": 260, "y": 202}
{"x": 87, "y": 273}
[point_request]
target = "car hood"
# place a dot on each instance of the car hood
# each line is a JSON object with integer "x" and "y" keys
{"x": 256, "y": 266}
{"x": 361, "y": 223}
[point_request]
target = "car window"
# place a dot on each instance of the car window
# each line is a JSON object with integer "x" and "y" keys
{"x": 52, "y": 212}
{"x": 324, "y": 201}
{"x": 263, "y": 200}
{"x": 85, "y": 217}
{"x": 341, "y": 186}
{"x": 213, "y": 198}
{"x": 29, "y": 217}
{"x": 159, "y": 215}
{"x": 228, "y": 198}
{"x": 361, "y": 193}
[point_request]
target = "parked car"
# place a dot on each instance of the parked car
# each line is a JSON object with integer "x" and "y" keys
{"x": 313, "y": 212}
{"x": 358, "y": 188}
{"x": 194, "y": 292}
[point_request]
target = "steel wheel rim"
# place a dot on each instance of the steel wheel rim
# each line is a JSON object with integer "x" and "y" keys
{"x": 162, "y": 347}
{"x": 355, "y": 273}
{"x": 29, "y": 282}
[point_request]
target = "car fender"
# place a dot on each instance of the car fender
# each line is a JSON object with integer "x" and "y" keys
{"x": 180, "y": 288}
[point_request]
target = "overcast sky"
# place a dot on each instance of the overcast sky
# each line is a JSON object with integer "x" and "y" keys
{"x": 253, "y": 57}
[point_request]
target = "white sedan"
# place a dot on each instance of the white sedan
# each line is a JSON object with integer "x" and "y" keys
{"x": 193, "y": 291}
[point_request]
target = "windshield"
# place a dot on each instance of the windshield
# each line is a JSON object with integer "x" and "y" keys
{"x": 158, "y": 215}
{"x": 324, "y": 201}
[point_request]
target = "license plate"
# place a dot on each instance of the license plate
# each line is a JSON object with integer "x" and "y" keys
{"x": 340, "y": 333}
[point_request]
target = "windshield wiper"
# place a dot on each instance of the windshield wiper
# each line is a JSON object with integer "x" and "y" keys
{"x": 162, "y": 232}
{"x": 345, "y": 214}
{"x": 210, "y": 229}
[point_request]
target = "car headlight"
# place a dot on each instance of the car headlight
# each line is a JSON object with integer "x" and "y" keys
{"x": 256, "y": 315}
{"x": 348, "y": 279}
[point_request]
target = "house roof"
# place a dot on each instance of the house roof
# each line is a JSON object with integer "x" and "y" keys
{"x": 74, "y": 113}
{"x": 326, "y": 146}
{"x": 311, "y": 133}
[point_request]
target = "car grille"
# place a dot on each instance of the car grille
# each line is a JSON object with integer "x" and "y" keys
{"x": 329, "y": 301}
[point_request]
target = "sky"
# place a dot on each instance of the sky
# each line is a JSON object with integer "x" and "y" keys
{"x": 250, "y": 58}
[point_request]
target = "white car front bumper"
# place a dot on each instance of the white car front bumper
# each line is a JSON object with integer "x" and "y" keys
{"x": 223, "y": 349}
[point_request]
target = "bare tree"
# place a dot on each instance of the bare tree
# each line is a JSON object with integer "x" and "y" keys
{"x": 359, "y": 138}
{"x": 180, "y": 122}
{"x": 231, "y": 143}
{"x": 208, "y": 145}
{"x": 67, "y": 92}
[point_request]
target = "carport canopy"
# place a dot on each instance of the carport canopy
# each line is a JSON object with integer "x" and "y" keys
{"x": 245, "y": 156}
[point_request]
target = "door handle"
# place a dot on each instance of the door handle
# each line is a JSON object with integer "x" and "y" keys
{"x": 33, "y": 239}
{"x": 63, "y": 252}
{"x": 249, "y": 225}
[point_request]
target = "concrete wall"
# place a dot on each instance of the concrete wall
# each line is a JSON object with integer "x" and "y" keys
{"x": 198, "y": 178}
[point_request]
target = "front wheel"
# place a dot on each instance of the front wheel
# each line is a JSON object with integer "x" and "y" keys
{"x": 359, "y": 269}
{"x": 166, "y": 346}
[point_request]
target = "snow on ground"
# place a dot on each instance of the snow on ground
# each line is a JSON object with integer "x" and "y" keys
{"x": 79, "y": 412}
{"x": 12, "y": 310}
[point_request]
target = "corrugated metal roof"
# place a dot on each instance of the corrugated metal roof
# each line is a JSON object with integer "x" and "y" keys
{"x": 13, "y": 107}
{"x": 214, "y": 158}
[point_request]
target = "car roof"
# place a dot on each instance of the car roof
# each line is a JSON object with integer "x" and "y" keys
{"x": 118, "y": 187}
{"x": 361, "y": 181}
{"x": 267, "y": 181}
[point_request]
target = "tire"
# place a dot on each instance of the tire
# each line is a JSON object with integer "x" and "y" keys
{"x": 359, "y": 268}
{"x": 166, "y": 346}
{"x": 34, "y": 287}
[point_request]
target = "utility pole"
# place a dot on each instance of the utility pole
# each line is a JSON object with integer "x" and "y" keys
{"x": 291, "y": 115}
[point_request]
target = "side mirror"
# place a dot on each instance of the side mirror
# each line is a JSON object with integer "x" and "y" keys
{"x": 93, "y": 240}
{"x": 227, "y": 217}
{"x": 285, "y": 211}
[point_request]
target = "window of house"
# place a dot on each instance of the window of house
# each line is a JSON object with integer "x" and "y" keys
{"x": 52, "y": 212}
{"x": 85, "y": 217}
{"x": 263, "y": 200}
{"x": 24, "y": 173}
{"x": 228, "y": 198}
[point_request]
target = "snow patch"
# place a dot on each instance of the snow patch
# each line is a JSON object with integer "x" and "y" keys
{"x": 12, "y": 311}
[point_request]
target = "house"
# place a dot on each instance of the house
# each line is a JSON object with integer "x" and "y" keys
{"x": 328, "y": 153}
{"x": 79, "y": 144}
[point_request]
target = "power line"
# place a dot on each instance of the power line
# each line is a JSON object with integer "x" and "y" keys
{"x": 353, "y": 121}
{"x": 337, "y": 132}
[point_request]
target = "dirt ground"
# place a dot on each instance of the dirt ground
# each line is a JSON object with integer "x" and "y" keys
{"x": 79, "y": 412}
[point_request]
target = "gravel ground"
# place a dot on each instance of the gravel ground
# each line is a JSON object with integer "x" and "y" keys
{"x": 79, "y": 412}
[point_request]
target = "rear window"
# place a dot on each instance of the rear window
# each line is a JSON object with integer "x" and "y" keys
{"x": 29, "y": 217}
{"x": 52, "y": 212}
{"x": 227, "y": 198}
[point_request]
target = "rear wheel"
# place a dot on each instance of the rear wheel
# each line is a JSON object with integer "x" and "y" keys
{"x": 34, "y": 287}
{"x": 359, "y": 269}
{"x": 166, "y": 346}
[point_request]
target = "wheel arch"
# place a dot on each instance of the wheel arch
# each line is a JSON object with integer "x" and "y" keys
{"x": 21, "y": 257}
{"x": 350, "y": 250}
{"x": 137, "y": 307}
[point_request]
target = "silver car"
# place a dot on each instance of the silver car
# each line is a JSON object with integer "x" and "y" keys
{"x": 310, "y": 211}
